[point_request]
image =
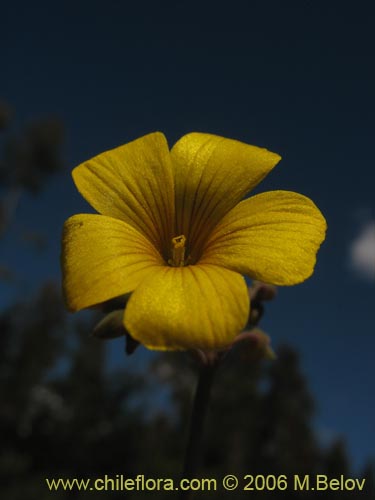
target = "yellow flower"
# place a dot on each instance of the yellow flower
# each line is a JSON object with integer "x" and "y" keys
{"x": 174, "y": 231}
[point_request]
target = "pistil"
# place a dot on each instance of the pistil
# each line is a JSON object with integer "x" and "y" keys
{"x": 178, "y": 251}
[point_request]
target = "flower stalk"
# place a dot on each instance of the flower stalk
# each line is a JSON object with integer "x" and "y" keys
{"x": 193, "y": 452}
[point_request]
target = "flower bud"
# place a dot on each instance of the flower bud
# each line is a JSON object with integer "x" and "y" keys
{"x": 254, "y": 345}
{"x": 111, "y": 326}
{"x": 262, "y": 292}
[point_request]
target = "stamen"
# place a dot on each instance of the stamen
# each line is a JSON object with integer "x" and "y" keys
{"x": 178, "y": 251}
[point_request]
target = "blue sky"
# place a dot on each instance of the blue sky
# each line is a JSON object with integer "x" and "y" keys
{"x": 295, "y": 77}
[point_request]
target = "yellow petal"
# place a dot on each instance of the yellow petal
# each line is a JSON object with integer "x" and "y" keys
{"x": 212, "y": 174}
{"x": 188, "y": 307}
{"x": 272, "y": 237}
{"x": 103, "y": 258}
{"x": 133, "y": 183}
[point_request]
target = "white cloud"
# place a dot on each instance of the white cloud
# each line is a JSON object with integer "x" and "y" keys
{"x": 362, "y": 252}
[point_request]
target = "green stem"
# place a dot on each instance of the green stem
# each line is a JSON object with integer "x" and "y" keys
{"x": 198, "y": 415}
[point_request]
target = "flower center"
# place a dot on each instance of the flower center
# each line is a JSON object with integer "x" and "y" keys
{"x": 178, "y": 251}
